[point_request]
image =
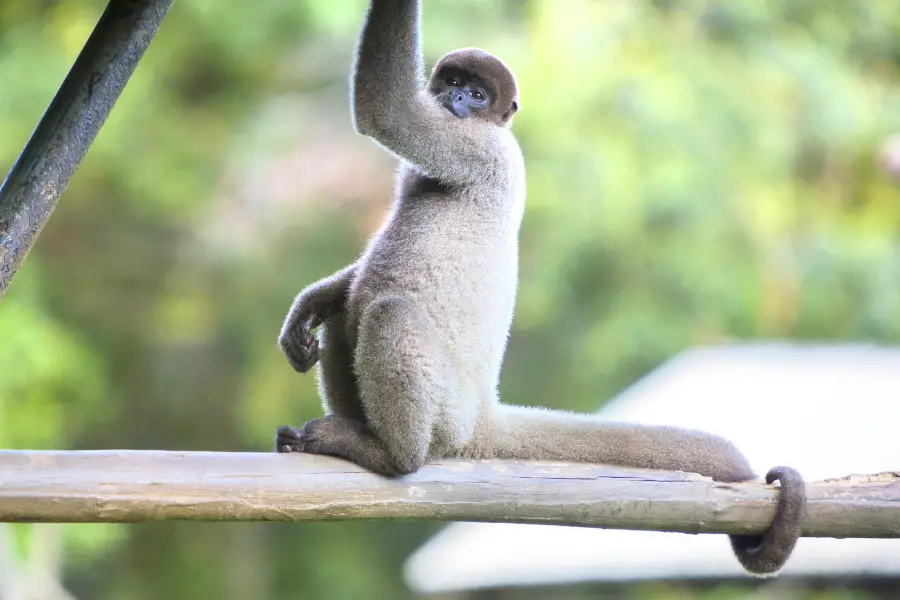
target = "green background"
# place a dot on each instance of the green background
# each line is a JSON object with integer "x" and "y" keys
{"x": 698, "y": 172}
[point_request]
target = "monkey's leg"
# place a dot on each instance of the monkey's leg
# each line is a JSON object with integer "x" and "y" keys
{"x": 403, "y": 376}
{"x": 334, "y": 435}
{"x": 340, "y": 398}
{"x": 527, "y": 433}
{"x": 336, "y": 377}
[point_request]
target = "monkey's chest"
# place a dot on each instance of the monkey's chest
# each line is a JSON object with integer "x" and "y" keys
{"x": 461, "y": 270}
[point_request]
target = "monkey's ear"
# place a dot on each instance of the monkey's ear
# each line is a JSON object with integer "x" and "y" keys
{"x": 513, "y": 107}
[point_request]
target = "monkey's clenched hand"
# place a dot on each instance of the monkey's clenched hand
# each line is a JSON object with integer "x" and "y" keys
{"x": 298, "y": 343}
{"x": 311, "y": 307}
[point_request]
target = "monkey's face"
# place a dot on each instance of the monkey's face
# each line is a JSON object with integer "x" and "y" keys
{"x": 461, "y": 93}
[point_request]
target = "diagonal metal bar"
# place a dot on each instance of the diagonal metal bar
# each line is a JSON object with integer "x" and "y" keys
{"x": 68, "y": 128}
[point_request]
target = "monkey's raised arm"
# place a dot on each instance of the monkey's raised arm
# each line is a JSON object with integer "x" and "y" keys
{"x": 391, "y": 105}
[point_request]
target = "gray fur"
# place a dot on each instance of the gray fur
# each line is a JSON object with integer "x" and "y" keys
{"x": 415, "y": 331}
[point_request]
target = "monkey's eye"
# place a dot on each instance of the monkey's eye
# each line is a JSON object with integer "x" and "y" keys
{"x": 451, "y": 81}
{"x": 477, "y": 96}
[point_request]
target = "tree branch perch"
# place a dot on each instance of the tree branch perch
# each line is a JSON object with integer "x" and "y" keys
{"x": 129, "y": 486}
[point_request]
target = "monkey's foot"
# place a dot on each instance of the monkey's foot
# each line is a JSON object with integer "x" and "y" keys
{"x": 308, "y": 439}
{"x": 288, "y": 439}
{"x": 334, "y": 435}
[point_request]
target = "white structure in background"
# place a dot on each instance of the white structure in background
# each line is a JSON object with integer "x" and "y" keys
{"x": 828, "y": 411}
{"x": 35, "y": 576}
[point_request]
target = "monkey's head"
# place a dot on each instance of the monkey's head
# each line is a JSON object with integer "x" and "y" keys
{"x": 474, "y": 83}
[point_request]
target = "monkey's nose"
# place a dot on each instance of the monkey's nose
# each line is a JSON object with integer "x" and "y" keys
{"x": 459, "y": 97}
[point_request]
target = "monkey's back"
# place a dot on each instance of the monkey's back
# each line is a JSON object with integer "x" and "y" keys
{"x": 454, "y": 252}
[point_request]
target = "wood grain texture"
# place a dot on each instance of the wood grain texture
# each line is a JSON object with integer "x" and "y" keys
{"x": 130, "y": 486}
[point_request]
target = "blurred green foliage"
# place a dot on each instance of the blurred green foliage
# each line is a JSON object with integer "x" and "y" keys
{"x": 698, "y": 171}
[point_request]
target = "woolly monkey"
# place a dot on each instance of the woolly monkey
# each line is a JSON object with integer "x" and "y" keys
{"x": 413, "y": 334}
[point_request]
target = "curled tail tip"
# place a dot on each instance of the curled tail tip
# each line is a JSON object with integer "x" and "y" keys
{"x": 791, "y": 499}
{"x": 785, "y": 475}
{"x": 765, "y": 556}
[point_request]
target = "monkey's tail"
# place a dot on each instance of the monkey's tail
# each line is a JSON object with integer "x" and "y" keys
{"x": 765, "y": 555}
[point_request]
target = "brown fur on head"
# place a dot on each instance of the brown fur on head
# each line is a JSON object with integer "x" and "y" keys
{"x": 493, "y": 73}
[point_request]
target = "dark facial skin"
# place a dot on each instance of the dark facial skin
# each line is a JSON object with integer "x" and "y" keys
{"x": 462, "y": 94}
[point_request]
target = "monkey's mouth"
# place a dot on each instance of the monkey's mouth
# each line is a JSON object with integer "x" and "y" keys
{"x": 457, "y": 109}
{"x": 453, "y": 110}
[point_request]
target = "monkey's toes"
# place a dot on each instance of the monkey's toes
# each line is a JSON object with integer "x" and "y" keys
{"x": 288, "y": 439}
{"x": 315, "y": 436}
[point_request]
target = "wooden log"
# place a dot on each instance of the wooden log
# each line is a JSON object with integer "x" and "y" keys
{"x": 130, "y": 486}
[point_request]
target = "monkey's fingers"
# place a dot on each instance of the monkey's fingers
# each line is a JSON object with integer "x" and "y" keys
{"x": 295, "y": 343}
{"x": 302, "y": 354}
{"x": 300, "y": 335}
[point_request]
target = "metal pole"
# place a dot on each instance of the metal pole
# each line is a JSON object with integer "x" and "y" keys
{"x": 65, "y": 133}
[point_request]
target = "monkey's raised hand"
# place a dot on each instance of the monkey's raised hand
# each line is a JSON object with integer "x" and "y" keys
{"x": 298, "y": 343}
